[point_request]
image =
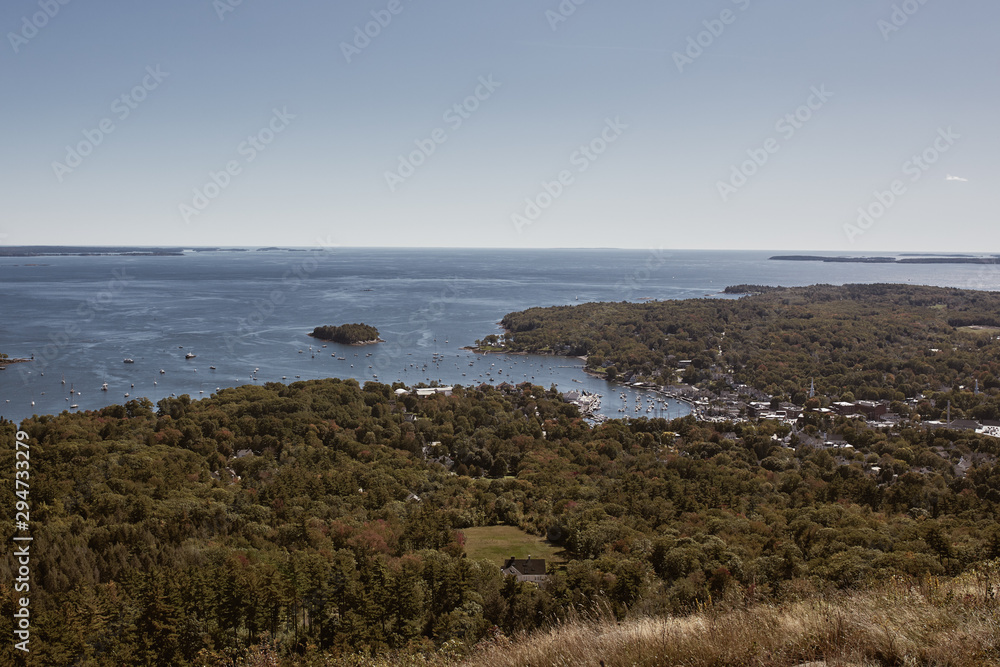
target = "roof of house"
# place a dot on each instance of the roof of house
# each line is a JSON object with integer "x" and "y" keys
{"x": 526, "y": 566}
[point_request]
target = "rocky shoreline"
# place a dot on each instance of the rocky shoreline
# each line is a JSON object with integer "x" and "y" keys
{"x": 360, "y": 342}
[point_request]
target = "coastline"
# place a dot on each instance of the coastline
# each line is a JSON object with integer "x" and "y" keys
{"x": 657, "y": 389}
{"x": 889, "y": 260}
{"x": 359, "y": 343}
{"x": 500, "y": 350}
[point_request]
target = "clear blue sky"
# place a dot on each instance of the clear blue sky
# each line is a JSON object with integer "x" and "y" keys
{"x": 666, "y": 180}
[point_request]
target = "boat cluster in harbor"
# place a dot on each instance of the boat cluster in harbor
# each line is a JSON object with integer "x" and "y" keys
{"x": 654, "y": 402}
{"x": 442, "y": 367}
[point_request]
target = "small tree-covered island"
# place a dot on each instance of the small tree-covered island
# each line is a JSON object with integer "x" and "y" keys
{"x": 348, "y": 334}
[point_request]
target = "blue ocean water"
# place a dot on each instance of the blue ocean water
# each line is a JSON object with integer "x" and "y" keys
{"x": 248, "y": 314}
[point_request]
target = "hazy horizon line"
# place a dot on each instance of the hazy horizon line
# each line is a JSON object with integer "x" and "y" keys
{"x": 431, "y": 247}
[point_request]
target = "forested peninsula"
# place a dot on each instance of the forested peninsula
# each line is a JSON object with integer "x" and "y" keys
{"x": 851, "y": 342}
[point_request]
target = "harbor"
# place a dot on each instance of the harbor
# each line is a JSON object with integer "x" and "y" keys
{"x": 171, "y": 371}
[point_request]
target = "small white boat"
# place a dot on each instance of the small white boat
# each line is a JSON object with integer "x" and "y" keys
{"x": 162, "y": 371}
{"x": 104, "y": 387}
{"x": 128, "y": 360}
{"x": 190, "y": 355}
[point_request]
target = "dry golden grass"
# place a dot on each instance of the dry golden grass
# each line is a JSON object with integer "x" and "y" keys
{"x": 899, "y": 624}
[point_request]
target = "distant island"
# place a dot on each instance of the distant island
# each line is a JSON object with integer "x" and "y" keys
{"x": 86, "y": 251}
{"x": 348, "y": 334}
{"x": 937, "y": 259}
{"x": 128, "y": 251}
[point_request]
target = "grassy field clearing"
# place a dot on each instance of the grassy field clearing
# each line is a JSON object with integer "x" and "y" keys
{"x": 500, "y": 542}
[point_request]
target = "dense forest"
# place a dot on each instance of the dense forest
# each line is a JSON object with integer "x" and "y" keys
{"x": 348, "y": 334}
{"x": 324, "y": 519}
{"x": 858, "y": 342}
